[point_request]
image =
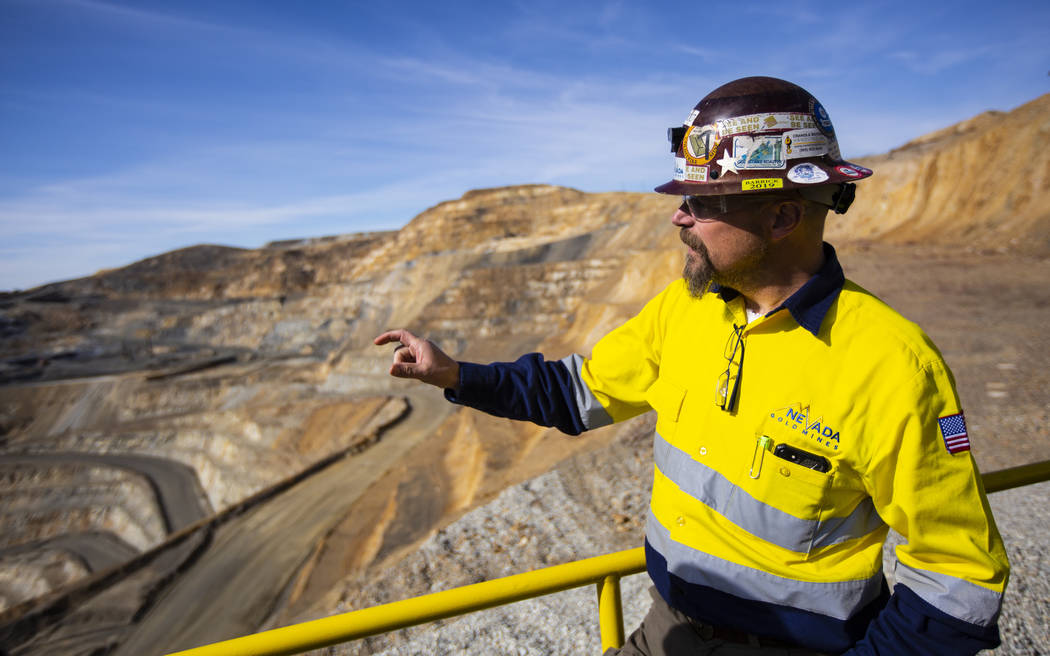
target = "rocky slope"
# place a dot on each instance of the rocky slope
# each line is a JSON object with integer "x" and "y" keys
{"x": 217, "y": 414}
{"x": 983, "y": 184}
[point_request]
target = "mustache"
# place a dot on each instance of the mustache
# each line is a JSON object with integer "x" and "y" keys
{"x": 692, "y": 241}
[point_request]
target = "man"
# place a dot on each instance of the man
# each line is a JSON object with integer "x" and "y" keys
{"x": 798, "y": 417}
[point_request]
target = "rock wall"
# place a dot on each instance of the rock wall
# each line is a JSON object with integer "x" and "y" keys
{"x": 982, "y": 185}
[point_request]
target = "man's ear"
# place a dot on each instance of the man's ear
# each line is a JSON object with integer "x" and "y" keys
{"x": 787, "y": 218}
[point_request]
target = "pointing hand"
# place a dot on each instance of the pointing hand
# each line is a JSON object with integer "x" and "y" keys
{"x": 420, "y": 359}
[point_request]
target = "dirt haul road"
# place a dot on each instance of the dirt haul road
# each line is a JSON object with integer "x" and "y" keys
{"x": 234, "y": 586}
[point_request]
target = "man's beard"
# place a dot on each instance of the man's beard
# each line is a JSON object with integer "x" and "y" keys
{"x": 699, "y": 271}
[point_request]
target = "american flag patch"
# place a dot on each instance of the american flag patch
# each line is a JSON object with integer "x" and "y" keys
{"x": 953, "y": 430}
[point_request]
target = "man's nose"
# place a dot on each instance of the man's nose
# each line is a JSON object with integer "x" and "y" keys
{"x": 682, "y": 218}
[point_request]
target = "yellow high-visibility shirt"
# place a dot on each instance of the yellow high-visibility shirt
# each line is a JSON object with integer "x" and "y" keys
{"x": 868, "y": 393}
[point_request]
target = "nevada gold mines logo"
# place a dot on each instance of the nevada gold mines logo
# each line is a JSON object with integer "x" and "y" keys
{"x": 799, "y": 418}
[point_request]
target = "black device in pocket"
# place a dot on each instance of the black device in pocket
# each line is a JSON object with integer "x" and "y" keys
{"x": 800, "y": 457}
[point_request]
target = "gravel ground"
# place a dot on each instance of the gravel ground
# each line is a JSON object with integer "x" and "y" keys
{"x": 518, "y": 528}
{"x": 1023, "y": 516}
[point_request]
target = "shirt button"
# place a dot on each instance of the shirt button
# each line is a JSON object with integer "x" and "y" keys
{"x": 784, "y": 471}
{"x": 703, "y": 450}
{"x": 680, "y": 521}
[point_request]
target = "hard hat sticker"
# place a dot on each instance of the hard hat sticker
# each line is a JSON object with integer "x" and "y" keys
{"x": 759, "y": 152}
{"x": 695, "y": 173}
{"x": 684, "y": 172}
{"x": 679, "y": 168}
{"x": 761, "y": 183}
{"x": 853, "y": 171}
{"x": 692, "y": 117}
{"x": 805, "y": 143}
{"x": 807, "y": 173}
{"x": 760, "y": 122}
{"x": 822, "y": 119}
{"x": 727, "y": 162}
{"x": 701, "y": 143}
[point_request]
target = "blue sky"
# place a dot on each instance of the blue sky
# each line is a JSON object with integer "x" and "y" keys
{"x": 132, "y": 128}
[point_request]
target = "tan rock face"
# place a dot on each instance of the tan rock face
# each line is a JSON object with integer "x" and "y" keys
{"x": 199, "y": 378}
{"x": 983, "y": 184}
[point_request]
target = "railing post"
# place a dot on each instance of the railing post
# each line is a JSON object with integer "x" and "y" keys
{"x": 610, "y": 612}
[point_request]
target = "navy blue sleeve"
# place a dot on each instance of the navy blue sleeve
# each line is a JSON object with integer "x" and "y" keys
{"x": 530, "y": 389}
{"x": 908, "y": 626}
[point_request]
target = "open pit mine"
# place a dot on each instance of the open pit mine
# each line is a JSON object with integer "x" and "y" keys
{"x": 205, "y": 443}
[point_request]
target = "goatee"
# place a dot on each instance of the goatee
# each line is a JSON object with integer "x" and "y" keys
{"x": 698, "y": 269}
{"x": 747, "y": 272}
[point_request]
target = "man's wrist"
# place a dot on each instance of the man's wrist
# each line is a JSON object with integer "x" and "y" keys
{"x": 451, "y": 382}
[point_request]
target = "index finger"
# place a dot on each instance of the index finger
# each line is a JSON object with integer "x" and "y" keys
{"x": 400, "y": 335}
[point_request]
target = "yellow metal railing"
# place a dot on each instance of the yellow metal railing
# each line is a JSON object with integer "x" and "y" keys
{"x": 603, "y": 571}
{"x": 1005, "y": 479}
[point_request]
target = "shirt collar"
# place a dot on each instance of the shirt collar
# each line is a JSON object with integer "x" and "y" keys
{"x": 811, "y": 302}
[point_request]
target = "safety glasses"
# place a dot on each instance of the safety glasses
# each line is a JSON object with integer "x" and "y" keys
{"x": 710, "y": 208}
{"x": 728, "y": 387}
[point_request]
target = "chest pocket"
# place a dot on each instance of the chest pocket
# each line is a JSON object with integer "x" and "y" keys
{"x": 782, "y": 501}
{"x": 666, "y": 398}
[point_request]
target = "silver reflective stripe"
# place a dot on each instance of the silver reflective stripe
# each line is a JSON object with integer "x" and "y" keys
{"x": 960, "y": 599}
{"x": 766, "y": 522}
{"x": 591, "y": 411}
{"x": 838, "y": 599}
{"x": 862, "y": 520}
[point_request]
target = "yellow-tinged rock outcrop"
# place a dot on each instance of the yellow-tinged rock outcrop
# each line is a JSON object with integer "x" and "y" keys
{"x": 983, "y": 184}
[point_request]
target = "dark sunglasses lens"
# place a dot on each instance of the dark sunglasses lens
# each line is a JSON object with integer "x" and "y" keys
{"x": 701, "y": 208}
{"x": 692, "y": 205}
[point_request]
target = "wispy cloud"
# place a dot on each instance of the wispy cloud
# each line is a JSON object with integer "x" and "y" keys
{"x": 932, "y": 63}
{"x": 711, "y": 54}
{"x": 298, "y": 125}
{"x": 142, "y": 18}
{"x": 71, "y": 242}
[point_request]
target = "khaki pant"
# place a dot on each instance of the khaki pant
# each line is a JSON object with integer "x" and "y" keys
{"x": 667, "y": 632}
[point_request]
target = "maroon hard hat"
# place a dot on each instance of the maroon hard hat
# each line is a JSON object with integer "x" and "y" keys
{"x": 757, "y": 134}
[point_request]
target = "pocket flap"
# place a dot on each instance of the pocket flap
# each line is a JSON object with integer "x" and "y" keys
{"x": 666, "y": 398}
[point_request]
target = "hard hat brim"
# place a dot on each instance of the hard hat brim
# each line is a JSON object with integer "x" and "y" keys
{"x": 735, "y": 183}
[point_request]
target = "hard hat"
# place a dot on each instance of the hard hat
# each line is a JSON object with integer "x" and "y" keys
{"x": 760, "y": 134}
